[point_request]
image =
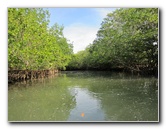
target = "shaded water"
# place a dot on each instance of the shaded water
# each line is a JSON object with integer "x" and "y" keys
{"x": 85, "y": 96}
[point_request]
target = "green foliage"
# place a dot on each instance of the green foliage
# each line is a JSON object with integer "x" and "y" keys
{"x": 127, "y": 39}
{"x": 79, "y": 61}
{"x": 32, "y": 44}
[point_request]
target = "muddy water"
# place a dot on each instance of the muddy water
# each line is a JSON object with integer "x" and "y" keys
{"x": 85, "y": 96}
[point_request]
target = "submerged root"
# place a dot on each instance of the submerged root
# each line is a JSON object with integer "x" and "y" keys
{"x": 22, "y": 75}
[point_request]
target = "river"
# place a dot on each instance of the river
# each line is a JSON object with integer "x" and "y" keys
{"x": 85, "y": 96}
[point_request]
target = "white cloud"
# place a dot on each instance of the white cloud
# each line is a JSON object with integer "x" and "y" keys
{"x": 104, "y": 11}
{"x": 81, "y": 35}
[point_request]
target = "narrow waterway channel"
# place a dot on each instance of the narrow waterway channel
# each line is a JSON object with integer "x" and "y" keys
{"x": 85, "y": 96}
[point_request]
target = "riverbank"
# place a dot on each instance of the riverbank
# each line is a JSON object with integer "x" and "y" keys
{"x": 136, "y": 71}
{"x": 20, "y": 75}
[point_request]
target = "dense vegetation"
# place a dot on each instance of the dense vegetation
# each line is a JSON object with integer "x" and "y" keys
{"x": 127, "y": 39}
{"x": 32, "y": 44}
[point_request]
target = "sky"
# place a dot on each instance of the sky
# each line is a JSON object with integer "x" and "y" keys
{"x": 80, "y": 24}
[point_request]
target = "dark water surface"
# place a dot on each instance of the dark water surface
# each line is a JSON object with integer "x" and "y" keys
{"x": 85, "y": 96}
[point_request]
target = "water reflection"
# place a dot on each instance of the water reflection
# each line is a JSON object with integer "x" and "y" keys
{"x": 85, "y": 96}
{"x": 44, "y": 101}
{"x": 86, "y": 104}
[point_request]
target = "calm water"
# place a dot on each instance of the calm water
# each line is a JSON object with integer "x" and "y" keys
{"x": 85, "y": 96}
